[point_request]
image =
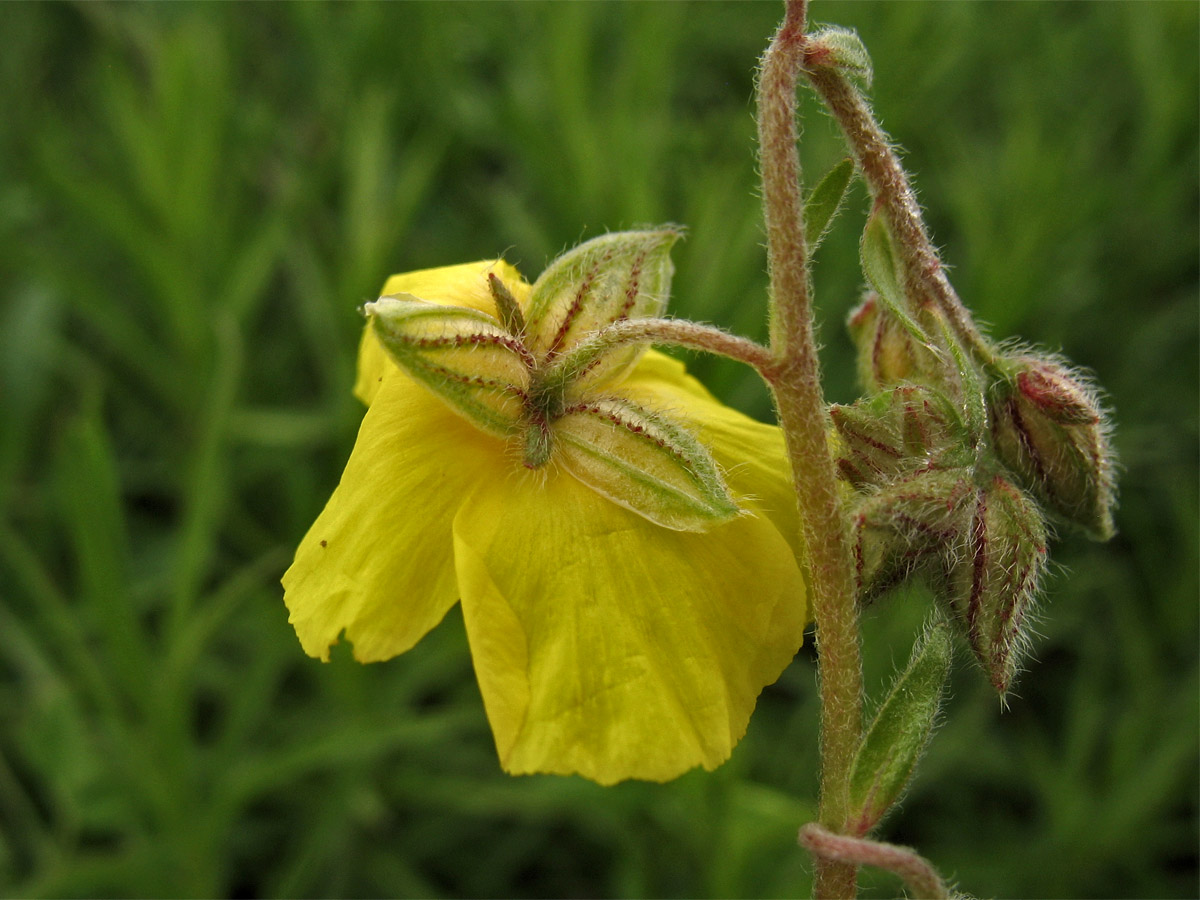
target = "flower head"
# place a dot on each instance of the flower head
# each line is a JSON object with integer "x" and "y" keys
{"x": 621, "y": 543}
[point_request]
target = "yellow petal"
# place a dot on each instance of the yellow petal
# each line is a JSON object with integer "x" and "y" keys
{"x": 377, "y": 562}
{"x": 610, "y": 647}
{"x": 462, "y": 285}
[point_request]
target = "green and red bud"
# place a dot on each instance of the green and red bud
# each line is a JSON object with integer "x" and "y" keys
{"x": 980, "y": 548}
{"x": 905, "y": 528}
{"x": 839, "y": 48}
{"x": 888, "y": 354}
{"x": 899, "y": 431}
{"x": 993, "y": 580}
{"x": 1051, "y": 432}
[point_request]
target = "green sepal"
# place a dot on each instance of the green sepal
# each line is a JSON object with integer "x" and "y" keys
{"x": 880, "y": 265}
{"x": 465, "y": 356}
{"x": 643, "y": 461}
{"x": 615, "y": 276}
{"x": 973, "y": 399}
{"x": 825, "y": 201}
{"x": 900, "y": 731}
{"x": 507, "y": 306}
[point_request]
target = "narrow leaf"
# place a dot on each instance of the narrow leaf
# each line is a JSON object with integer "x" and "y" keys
{"x": 825, "y": 201}
{"x": 879, "y": 264}
{"x": 897, "y": 737}
{"x": 90, "y": 506}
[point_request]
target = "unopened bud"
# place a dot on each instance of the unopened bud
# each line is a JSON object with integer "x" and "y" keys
{"x": 908, "y": 428}
{"x": 887, "y": 353}
{"x": 905, "y": 528}
{"x": 1049, "y": 429}
{"x": 842, "y": 49}
{"x": 868, "y": 448}
{"x": 995, "y": 575}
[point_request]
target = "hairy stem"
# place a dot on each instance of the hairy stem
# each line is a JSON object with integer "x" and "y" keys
{"x": 795, "y": 380}
{"x": 925, "y": 277}
{"x": 917, "y": 873}
{"x": 682, "y": 333}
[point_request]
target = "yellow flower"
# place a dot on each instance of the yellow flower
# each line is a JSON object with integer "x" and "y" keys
{"x": 605, "y": 644}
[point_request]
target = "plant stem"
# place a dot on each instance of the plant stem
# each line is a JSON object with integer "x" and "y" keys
{"x": 795, "y": 380}
{"x": 682, "y": 333}
{"x": 925, "y": 277}
{"x": 918, "y": 875}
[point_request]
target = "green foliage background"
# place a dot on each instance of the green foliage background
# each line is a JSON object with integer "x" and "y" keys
{"x": 195, "y": 198}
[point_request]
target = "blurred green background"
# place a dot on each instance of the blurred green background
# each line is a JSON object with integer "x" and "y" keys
{"x": 195, "y": 198}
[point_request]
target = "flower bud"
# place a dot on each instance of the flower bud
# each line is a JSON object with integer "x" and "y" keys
{"x": 867, "y": 449}
{"x": 905, "y": 528}
{"x": 1049, "y": 429}
{"x": 994, "y": 576}
{"x": 887, "y": 353}
{"x": 908, "y": 428}
{"x": 842, "y": 49}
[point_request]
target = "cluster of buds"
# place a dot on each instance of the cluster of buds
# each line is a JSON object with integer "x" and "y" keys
{"x": 960, "y": 499}
{"x": 924, "y": 508}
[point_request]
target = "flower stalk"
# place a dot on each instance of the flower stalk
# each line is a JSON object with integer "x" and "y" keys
{"x": 925, "y": 277}
{"x": 679, "y": 333}
{"x": 795, "y": 380}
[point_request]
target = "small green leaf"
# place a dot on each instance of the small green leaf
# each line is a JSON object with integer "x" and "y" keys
{"x": 974, "y": 400}
{"x": 897, "y": 737}
{"x": 825, "y": 201}
{"x": 879, "y": 264}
